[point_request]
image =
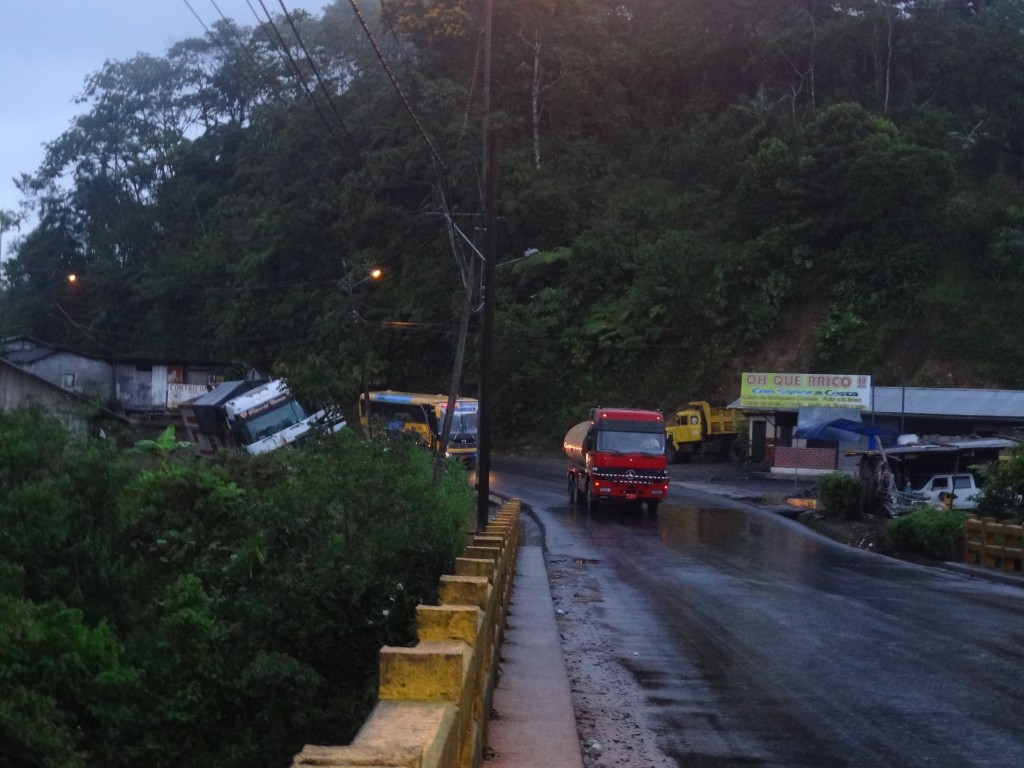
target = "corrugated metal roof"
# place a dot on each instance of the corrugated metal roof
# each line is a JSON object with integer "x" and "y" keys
{"x": 27, "y": 356}
{"x": 937, "y": 401}
{"x": 993, "y": 403}
{"x": 953, "y": 445}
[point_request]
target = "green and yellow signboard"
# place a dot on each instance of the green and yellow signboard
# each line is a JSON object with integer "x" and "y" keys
{"x": 805, "y": 390}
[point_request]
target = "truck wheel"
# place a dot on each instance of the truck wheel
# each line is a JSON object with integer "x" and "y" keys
{"x": 652, "y": 507}
{"x": 573, "y": 500}
{"x": 591, "y": 500}
{"x": 671, "y": 454}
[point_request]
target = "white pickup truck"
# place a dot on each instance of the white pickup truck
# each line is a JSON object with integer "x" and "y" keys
{"x": 964, "y": 488}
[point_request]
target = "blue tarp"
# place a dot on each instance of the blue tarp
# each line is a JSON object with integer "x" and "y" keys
{"x": 833, "y": 429}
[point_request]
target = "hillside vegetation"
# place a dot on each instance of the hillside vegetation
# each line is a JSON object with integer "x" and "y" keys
{"x": 711, "y": 188}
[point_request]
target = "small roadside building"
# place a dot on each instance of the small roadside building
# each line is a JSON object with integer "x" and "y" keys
{"x": 948, "y": 411}
{"x": 21, "y": 389}
{"x": 134, "y": 386}
{"x": 801, "y": 423}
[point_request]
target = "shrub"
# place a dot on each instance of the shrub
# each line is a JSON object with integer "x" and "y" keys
{"x": 841, "y": 494}
{"x": 928, "y": 531}
{"x": 1003, "y": 488}
{"x": 207, "y": 614}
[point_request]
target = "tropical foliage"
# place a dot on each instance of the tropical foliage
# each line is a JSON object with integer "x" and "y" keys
{"x": 841, "y": 494}
{"x": 1003, "y": 489}
{"x": 927, "y": 531}
{"x": 160, "y": 611}
{"x": 712, "y": 187}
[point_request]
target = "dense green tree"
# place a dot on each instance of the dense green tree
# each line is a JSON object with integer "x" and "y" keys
{"x": 852, "y": 155}
{"x": 149, "y": 602}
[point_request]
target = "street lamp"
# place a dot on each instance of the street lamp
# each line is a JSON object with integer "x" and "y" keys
{"x": 526, "y": 254}
{"x": 374, "y": 274}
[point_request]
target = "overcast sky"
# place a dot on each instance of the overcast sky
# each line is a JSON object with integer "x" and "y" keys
{"x": 49, "y": 47}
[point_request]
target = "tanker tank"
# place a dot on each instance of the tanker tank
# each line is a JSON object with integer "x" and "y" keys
{"x": 573, "y": 443}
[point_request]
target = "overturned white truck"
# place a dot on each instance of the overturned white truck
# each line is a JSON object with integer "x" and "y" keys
{"x": 254, "y": 416}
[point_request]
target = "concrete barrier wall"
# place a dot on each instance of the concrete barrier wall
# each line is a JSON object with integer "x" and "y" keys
{"x": 993, "y": 544}
{"x": 435, "y": 697}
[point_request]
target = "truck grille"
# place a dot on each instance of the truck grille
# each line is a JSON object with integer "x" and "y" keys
{"x": 632, "y": 476}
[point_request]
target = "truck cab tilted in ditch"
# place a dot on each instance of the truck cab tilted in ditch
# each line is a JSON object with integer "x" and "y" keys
{"x": 254, "y": 416}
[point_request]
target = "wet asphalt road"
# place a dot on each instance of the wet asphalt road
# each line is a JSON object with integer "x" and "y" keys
{"x": 756, "y": 642}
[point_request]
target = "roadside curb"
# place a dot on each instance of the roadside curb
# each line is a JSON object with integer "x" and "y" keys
{"x": 988, "y": 574}
{"x": 533, "y": 723}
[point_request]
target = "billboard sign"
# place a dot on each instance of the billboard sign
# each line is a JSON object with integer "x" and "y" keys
{"x": 805, "y": 390}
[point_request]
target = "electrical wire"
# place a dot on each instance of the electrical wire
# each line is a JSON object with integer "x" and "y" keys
{"x": 298, "y": 74}
{"x": 353, "y": 145}
{"x": 316, "y": 74}
{"x": 257, "y": 66}
{"x": 469, "y": 91}
{"x": 442, "y": 190}
{"x": 394, "y": 83}
{"x": 220, "y": 45}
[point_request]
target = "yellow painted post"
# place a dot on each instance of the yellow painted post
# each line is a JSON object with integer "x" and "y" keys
{"x": 434, "y": 697}
{"x": 428, "y": 672}
{"x": 1013, "y": 551}
{"x": 465, "y": 590}
{"x": 466, "y": 566}
{"x": 988, "y": 545}
{"x": 449, "y": 622}
{"x": 483, "y": 553}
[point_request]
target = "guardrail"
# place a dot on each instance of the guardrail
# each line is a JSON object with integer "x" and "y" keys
{"x": 435, "y": 697}
{"x": 994, "y": 545}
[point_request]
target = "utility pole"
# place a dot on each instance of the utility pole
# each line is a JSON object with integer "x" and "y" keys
{"x": 490, "y": 163}
{"x": 357, "y": 335}
{"x": 483, "y": 471}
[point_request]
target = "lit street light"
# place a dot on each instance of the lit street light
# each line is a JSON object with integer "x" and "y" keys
{"x": 374, "y": 274}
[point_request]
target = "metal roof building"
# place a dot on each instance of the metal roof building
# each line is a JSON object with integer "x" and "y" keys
{"x": 998, "y": 404}
{"x": 936, "y": 410}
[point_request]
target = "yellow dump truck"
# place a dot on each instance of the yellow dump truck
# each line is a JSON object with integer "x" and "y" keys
{"x": 697, "y": 428}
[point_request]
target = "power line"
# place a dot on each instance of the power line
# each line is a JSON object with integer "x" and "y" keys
{"x": 316, "y": 74}
{"x": 394, "y": 83}
{"x": 354, "y": 146}
{"x": 232, "y": 27}
{"x": 298, "y": 73}
{"x": 442, "y": 190}
{"x": 257, "y": 67}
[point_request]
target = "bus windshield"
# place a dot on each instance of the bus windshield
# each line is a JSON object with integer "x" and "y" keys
{"x": 464, "y": 421}
{"x": 648, "y": 443}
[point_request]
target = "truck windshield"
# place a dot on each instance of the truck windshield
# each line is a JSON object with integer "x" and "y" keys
{"x": 630, "y": 442}
{"x": 272, "y": 422}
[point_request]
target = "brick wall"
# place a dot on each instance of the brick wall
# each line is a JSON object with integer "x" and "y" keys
{"x": 804, "y": 458}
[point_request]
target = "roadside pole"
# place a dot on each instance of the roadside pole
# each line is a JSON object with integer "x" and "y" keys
{"x": 483, "y": 471}
{"x": 490, "y": 165}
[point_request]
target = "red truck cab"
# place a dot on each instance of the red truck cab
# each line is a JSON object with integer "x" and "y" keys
{"x": 618, "y": 455}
